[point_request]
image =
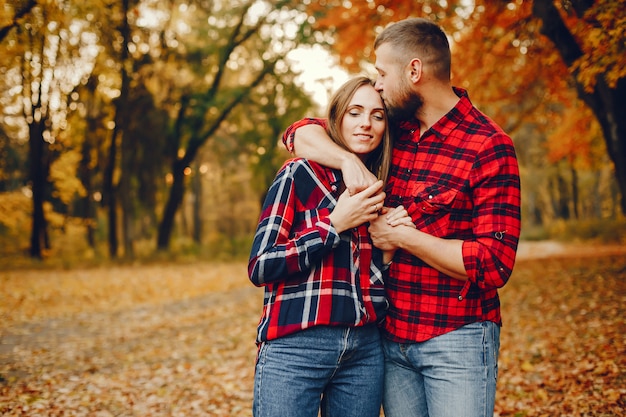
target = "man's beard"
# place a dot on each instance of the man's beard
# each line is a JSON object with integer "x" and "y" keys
{"x": 406, "y": 108}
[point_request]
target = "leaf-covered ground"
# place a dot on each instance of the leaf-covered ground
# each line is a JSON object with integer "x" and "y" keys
{"x": 177, "y": 340}
{"x": 563, "y": 347}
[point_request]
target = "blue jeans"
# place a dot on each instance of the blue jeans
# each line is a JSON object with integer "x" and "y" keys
{"x": 335, "y": 370}
{"x": 452, "y": 375}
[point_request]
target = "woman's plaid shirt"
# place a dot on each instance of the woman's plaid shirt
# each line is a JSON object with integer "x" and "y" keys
{"x": 459, "y": 180}
{"x": 312, "y": 276}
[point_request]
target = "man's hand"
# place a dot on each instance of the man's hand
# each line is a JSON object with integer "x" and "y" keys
{"x": 383, "y": 229}
{"x": 392, "y": 231}
{"x": 312, "y": 142}
{"x": 395, "y": 217}
{"x": 398, "y": 216}
{"x": 355, "y": 175}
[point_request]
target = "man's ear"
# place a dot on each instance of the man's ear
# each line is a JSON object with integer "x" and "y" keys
{"x": 415, "y": 70}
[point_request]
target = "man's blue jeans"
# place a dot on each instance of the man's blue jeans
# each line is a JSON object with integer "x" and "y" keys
{"x": 452, "y": 375}
{"x": 338, "y": 370}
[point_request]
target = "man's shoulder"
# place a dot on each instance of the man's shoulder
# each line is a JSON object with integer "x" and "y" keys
{"x": 479, "y": 127}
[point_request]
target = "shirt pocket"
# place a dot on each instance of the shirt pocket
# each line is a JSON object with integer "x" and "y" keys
{"x": 430, "y": 205}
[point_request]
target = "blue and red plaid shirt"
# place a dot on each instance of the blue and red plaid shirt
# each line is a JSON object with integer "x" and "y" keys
{"x": 312, "y": 276}
{"x": 459, "y": 180}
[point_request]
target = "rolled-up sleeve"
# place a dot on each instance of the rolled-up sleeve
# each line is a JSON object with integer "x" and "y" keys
{"x": 489, "y": 257}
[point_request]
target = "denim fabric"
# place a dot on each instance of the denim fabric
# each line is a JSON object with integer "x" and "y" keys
{"x": 452, "y": 375}
{"x": 338, "y": 370}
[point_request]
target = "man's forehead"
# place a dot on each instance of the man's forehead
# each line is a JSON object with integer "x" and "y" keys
{"x": 383, "y": 56}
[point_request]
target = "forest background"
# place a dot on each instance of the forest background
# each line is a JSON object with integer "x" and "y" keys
{"x": 150, "y": 129}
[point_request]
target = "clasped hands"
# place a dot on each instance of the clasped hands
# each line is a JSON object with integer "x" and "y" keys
{"x": 363, "y": 185}
{"x": 367, "y": 206}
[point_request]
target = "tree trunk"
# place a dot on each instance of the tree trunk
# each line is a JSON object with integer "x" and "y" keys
{"x": 608, "y": 104}
{"x": 127, "y": 226}
{"x": 126, "y": 191}
{"x": 110, "y": 193}
{"x": 562, "y": 198}
{"x": 86, "y": 208}
{"x": 121, "y": 106}
{"x": 575, "y": 193}
{"x": 197, "y": 207}
{"x": 171, "y": 207}
{"x": 38, "y": 179}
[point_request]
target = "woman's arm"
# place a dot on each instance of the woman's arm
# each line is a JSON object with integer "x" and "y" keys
{"x": 277, "y": 253}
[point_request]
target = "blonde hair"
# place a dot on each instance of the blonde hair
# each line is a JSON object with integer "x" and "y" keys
{"x": 379, "y": 160}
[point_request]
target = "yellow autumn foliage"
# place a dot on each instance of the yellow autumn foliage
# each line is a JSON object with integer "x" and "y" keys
{"x": 63, "y": 175}
{"x": 15, "y": 209}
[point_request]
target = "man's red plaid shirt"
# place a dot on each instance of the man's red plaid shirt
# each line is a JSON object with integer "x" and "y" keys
{"x": 459, "y": 180}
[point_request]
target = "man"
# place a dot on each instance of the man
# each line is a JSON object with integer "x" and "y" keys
{"x": 456, "y": 173}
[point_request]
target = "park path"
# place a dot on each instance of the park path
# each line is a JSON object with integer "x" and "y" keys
{"x": 192, "y": 357}
{"x": 552, "y": 248}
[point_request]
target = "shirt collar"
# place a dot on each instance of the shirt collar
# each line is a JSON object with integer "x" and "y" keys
{"x": 454, "y": 117}
{"x": 447, "y": 123}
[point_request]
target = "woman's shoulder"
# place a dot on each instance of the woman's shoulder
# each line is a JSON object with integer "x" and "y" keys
{"x": 303, "y": 170}
{"x": 296, "y": 164}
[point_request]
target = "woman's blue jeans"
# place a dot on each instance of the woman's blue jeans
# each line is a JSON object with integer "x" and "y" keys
{"x": 452, "y": 375}
{"x": 335, "y": 370}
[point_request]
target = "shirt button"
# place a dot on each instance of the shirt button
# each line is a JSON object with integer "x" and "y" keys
{"x": 460, "y": 298}
{"x": 430, "y": 197}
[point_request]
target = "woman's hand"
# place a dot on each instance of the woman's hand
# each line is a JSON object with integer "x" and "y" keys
{"x": 354, "y": 210}
{"x": 398, "y": 217}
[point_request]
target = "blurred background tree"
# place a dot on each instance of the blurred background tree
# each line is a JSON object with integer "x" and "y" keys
{"x": 130, "y": 128}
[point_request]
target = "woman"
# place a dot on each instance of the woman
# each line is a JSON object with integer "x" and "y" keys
{"x": 319, "y": 344}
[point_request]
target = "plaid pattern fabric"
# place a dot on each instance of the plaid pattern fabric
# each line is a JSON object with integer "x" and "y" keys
{"x": 459, "y": 180}
{"x": 311, "y": 275}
